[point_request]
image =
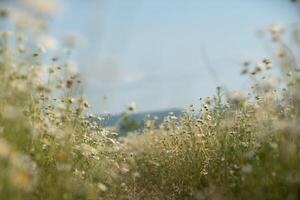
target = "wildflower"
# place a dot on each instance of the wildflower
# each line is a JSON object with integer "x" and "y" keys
{"x": 79, "y": 173}
{"x": 208, "y": 100}
{"x": 208, "y": 117}
{"x": 125, "y": 168}
{"x": 267, "y": 61}
{"x": 70, "y": 100}
{"x": 274, "y": 145}
{"x": 100, "y": 118}
{"x": 173, "y": 117}
{"x": 87, "y": 150}
{"x": 237, "y": 97}
{"x": 21, "y": 48}
{"x": 259, "y": 67}
{"x": 102, "y": 187}
{"x": 47, "y": 43}
{"x": 86, "y": 104}
{"x": 276, "y": 28}
{"x": 276, "y": 31}
{"x": 289, "y": 73}
{"x": 69, "y": 83}
{"x": 267, "y": 84}
{"x": 45, "y": 7}
{"x": 56, "y": 133}
{"x": 131, "y": 107}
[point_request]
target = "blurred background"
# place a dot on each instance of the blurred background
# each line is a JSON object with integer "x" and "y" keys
{"x": 164, "y": 54}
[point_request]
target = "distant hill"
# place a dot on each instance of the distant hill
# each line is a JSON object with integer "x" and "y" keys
{"x": 114, "y": 120}
{"x": 136, "y": 119}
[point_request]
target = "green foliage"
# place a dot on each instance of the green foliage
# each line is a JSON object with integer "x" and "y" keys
{"x": 127, "y": 124}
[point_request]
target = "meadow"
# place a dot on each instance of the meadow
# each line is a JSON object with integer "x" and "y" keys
{"x": 236, "y": 145}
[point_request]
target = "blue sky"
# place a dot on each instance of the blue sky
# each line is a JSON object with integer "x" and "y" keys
{"x": 151, "y": 51}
